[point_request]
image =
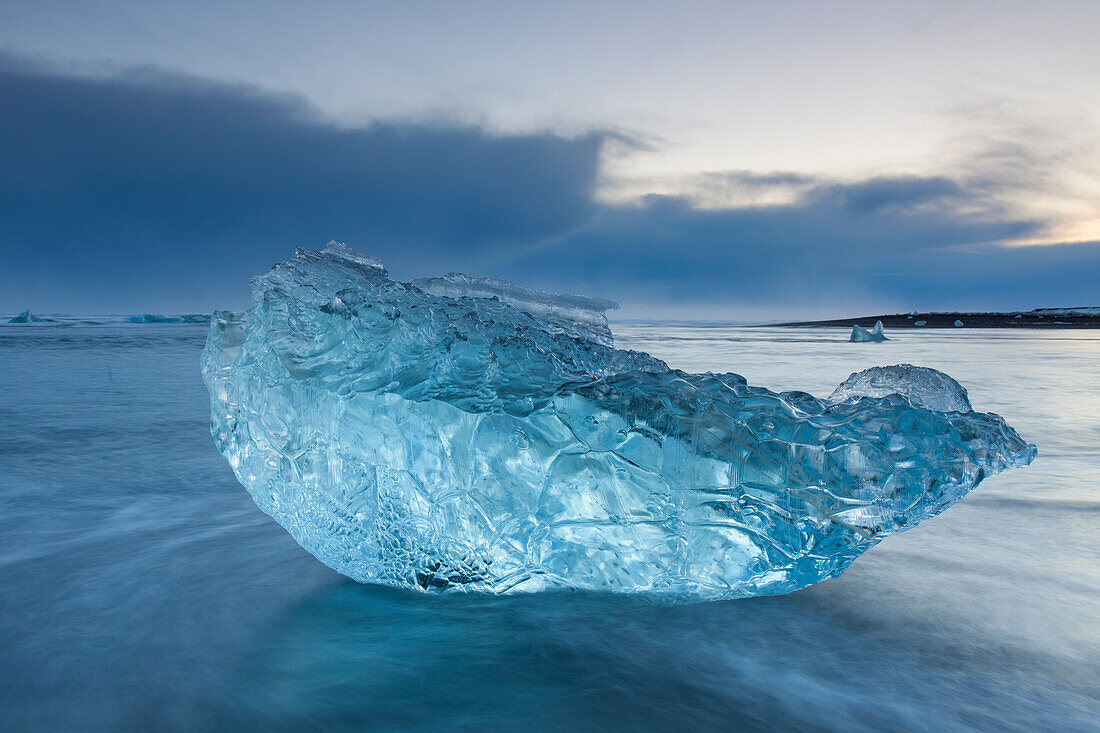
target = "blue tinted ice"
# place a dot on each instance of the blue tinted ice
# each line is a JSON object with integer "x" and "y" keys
{"x": 468, "y": 434}
{"x": 923, "y": 387}
{"x": 862, "y": 335}
{"x": 27, "y": 317}
{"x": 576, "y": 315}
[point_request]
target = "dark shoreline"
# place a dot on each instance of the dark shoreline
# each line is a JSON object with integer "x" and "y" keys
{"x": 1040, "y": 318}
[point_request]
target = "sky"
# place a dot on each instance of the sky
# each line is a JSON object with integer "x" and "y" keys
{"x": 709, "y": 160}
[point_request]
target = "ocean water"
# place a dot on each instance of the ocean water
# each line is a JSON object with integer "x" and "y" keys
{"x": 141, "y": 589}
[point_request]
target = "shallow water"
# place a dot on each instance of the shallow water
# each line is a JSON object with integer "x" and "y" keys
{"x": 140, "y": 588}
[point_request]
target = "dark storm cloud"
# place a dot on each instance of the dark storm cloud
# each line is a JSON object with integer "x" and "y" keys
{"x": 140, "y": 181}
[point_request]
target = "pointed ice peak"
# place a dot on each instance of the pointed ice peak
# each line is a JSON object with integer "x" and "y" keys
{"x": 862, "y": 335}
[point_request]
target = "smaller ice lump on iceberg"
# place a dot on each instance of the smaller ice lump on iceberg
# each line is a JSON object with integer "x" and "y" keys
{"x": 862, "y": 335}
{"x": 923, "y": 387}
{"x": 468, "y": 434}
{"x": 575, "y": 315}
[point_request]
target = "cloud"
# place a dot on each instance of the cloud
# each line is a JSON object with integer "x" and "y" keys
{"x": 141, "y": 181}
{"x": 140, "y": 190}
{"x": 886, "y": 242}
{"x": 902, "y": 194}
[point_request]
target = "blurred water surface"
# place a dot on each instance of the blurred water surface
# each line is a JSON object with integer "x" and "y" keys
{"x": 140, "y": 588}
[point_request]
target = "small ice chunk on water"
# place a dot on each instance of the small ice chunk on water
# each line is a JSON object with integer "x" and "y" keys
{"x": 27, "y": 317}
{"x": 958, "y": 324}
{"x": 862, "y": 335}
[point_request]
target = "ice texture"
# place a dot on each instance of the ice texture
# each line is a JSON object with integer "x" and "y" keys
{"x": 576, "y": 315}
{"x": 862, "y": 335}
{"x": 455, "y": 435}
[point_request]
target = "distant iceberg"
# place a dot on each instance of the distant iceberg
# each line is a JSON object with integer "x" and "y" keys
{"x": 106, "y": 320}
{"x": 1092, "y": 311}
{"x": 28, "y": 317}
{"x": 185, "y": 318}
{"x": 862, "y": 335}
{"x": 464, "y": 434}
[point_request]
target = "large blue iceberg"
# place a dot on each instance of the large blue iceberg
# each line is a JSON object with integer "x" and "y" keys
{"x": 469, "y": 434}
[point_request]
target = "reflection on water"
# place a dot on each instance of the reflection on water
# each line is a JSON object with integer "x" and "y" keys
{"x": 140, "y": 588}
{"x": 577, "y": 662}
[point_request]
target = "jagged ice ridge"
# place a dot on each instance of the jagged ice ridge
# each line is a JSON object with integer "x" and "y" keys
{"x": 468, "y": 434}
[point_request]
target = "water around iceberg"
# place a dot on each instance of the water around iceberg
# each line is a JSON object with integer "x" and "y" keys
{"x": 469, "y": 434}
{"x": 144, "y": 590}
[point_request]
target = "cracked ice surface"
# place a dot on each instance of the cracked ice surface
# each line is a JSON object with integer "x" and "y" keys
{"x": 469, "y": 434}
